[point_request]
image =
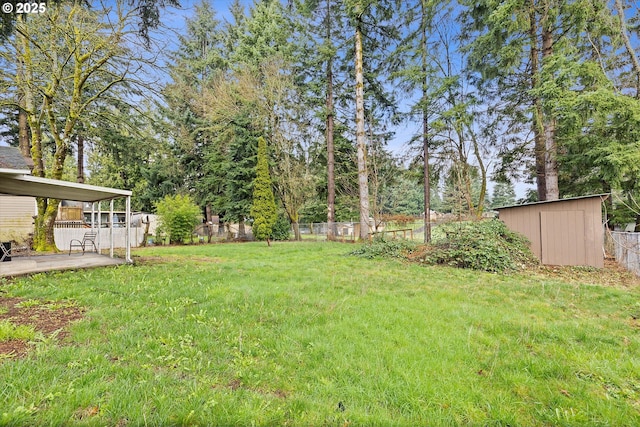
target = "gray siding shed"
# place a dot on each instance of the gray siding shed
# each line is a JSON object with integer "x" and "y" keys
{"x": 561, "y": 232}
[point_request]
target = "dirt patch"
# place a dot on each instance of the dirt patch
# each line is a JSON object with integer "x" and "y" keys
{"x": 612, "y": 275}
{"x": 50, "y": 318}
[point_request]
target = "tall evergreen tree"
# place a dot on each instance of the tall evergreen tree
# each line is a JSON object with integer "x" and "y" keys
{"x": 374, "y": 33}
{"x": 510, "y": 43}
{"x": 263, "y": 208}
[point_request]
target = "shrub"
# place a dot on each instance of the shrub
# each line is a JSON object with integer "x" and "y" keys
{"x": 480, "y": 245}
{"x": 178, "y": 217}
{"x": 281, "y": 229}
{"x": 384, "y": 247}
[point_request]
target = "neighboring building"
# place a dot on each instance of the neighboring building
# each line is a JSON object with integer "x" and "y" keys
{"x": 561, "y": 232}
{"x": 16, "y": 212}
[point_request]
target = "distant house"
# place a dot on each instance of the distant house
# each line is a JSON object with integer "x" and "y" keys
{"x": 561, "y": 232}
{"x": 16, "y": 212}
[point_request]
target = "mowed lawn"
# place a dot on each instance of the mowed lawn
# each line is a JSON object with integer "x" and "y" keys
{"x": 303, "y": 334}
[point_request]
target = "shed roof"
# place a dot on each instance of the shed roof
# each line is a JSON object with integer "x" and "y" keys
{"x": 603, "y": 196}
{"x": 20, "y": 184}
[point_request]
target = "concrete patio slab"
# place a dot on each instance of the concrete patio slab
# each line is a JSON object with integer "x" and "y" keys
{"x": 23, "y": 265}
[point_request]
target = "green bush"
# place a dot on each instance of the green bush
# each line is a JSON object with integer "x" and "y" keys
{"x": 480, "y": 245}
{"x": 383, "y": 247}
{"x": 179, "y": 216}
{"x": 281, "y": 229}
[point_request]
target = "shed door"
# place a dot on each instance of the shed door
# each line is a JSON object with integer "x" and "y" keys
{"x": 562, "y": 237}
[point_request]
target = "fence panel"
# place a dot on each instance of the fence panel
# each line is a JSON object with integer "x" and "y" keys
{"x": 63, "y": 236}
{"x": 626, "y": 248}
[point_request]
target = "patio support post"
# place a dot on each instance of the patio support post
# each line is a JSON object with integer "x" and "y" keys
{"x": 111, "y": 229}
{"x": 127, "y": 243}
{"x": 99, "y": 226}
{"x": 93, "y": 216}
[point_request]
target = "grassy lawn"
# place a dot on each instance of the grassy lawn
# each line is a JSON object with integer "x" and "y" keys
{"x": 302, "y": 334}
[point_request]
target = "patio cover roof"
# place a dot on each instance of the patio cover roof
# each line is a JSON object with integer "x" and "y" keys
{"x": 18, "y": 183}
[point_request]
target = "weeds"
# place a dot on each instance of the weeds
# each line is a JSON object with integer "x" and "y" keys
{"x": 383, "y": 247}
{"x": 10, "y": 331}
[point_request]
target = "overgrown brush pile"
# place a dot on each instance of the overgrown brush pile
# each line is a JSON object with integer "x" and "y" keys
{"x": 384, "y": 247}
{"x": 480, "y": 245}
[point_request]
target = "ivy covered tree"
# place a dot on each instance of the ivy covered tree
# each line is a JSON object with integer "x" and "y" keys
{"x": 263, "y": 209}
{"x": 55, "y": 70}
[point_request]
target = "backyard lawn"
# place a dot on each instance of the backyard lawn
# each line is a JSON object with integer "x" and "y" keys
{"x": 304, "y": 334}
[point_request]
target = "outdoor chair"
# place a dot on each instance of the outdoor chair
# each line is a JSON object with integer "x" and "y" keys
{"x": 16, "y": 247}
{"x": 88, "y": 238}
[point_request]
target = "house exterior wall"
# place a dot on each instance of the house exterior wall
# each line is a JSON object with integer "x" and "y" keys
{"x": 563, "y": 232}
{"x": 16, "y": 217}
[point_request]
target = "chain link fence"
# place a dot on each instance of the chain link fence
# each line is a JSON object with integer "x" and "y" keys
{"x": 625, "y": 247}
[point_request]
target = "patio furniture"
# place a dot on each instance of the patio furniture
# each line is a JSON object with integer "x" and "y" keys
{"x": 88, "y": 238}
{"x": 5, "y": 251}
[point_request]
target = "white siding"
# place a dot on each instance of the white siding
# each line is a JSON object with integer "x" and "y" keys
{"x": 16, "y": 217}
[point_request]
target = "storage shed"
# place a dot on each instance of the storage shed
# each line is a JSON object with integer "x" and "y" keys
{"x": 561, "y": 232}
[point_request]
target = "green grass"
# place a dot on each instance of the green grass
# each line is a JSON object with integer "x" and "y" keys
{"x": 10, "y": 331}
{"x": 303, "y": 334}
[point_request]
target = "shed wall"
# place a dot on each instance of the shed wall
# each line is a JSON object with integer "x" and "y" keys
{"x": 565, "y": 239}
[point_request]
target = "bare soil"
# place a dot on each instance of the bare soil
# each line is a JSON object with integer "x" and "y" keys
{"x": 47, "y": 317}
{"x": 612, "y": 275}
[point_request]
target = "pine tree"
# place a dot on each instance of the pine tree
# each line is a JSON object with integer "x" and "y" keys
{"x": 263, "y": 209}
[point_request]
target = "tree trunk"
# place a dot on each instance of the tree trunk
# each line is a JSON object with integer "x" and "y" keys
{"x": 296, "y": 230}
{"x": 551, "y": 147}
{"x": 23, "y": 133}
{"x": 23, "y": 125}
{"x": 483, "y": 174}
{"x": 363, "y": 183}
{"x": 331, "y": 182}
{"x": 538, "y": 131}
{"x": 627, "y": 43}
{"x": 40, "y": 240}
{"x": 241, "y": 231}
{"x": 425, "y": 131}
{"x": 80, "y": 142}
{"x": 209, "y": 222}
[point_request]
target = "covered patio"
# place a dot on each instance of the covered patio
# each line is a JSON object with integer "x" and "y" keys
{"x": 20, "y": 183}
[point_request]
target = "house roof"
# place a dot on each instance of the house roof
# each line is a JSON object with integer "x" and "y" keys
{"x": 602, "y": 196}
{"x": 12, "y": 159}
{"x": 19, "y": 184}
